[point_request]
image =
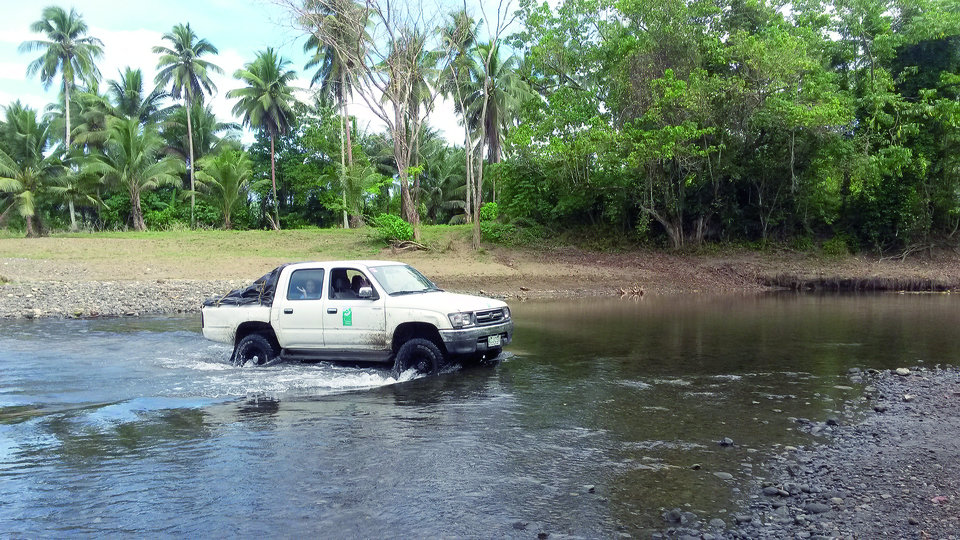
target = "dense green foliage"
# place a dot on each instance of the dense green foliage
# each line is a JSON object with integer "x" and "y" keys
{"x": 672, "y": 122}
{"x": 681, "y": 122}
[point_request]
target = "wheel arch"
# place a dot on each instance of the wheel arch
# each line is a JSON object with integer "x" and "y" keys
{"x": 409, "y": 330}
{"x": 256, "y": 327}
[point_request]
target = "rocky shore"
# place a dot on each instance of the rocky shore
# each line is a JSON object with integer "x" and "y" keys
{"x": 79, "y": 299}
{"x": 886, "y": 468}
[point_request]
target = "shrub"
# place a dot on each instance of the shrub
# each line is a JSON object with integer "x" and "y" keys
{"x": 836, "y": 247}
{"x": 392, "y": 229}
{"x": 509, "y": 234}
{"x": 489, "y": 212}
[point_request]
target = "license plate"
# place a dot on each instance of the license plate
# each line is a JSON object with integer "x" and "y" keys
{"x": 493, "y": 341}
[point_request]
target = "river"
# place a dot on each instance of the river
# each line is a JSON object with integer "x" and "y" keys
{"x": 602, "y": 414}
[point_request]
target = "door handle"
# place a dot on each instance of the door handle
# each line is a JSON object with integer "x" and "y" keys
{"x": 331, "y": 310}
{"x": 288, "y": 311}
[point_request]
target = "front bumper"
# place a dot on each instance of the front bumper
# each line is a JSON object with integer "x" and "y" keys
{"x": 474, "y": 339}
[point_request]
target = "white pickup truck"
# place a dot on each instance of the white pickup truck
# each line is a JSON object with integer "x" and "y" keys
{"x": 379, "y": 311}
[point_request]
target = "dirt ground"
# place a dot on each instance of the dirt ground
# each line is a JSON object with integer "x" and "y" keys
{"x": 530, "y": 273}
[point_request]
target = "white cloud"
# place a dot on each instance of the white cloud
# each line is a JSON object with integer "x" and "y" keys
{"x": 37, "y": 102}
{"x": 13, "y": 71}
{"x": 133, "y": 48}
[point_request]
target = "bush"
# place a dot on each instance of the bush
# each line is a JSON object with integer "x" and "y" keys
{"x": 836, "y": 247}
{"x": 489, "y": 212}
{"x": 392, "y": 229}
{"x": 509, "y": 234}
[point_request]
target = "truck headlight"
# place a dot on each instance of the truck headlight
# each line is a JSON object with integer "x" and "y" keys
{"x": 506, "y": 312}
{"x": 461, "y": 319}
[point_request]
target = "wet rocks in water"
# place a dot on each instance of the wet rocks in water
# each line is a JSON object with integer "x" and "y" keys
{"x": 726, "y": 441}
{"x": 723, "y": 475}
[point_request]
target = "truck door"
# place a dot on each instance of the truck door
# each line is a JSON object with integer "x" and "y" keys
{"x": 351, "y": 322}
{"x": 298, "y": 310}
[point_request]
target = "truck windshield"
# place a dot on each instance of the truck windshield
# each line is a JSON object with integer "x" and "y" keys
{"x": 398, "y": 279}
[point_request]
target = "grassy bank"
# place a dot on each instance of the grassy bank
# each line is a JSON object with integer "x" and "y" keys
{"x": 449, "y": 259}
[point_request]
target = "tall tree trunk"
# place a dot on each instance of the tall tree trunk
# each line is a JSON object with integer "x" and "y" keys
{"x": 66, "y": 111}
{"x": 73, "y": 217}
{"x": 468, "y": 154}
{"x": 30, "y": 232}
{"x": 346, "y": 118}
{"x": 66, "y": 148}
{"x": 343, "y": 164}
{"x": 138, "y": 223}
{"x": 189, "y": 107}
{"x": 273, "y": 179}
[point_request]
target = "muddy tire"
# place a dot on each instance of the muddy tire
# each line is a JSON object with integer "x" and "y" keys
{"x": 420, "y": 354}
{"x": 255, "y": 349}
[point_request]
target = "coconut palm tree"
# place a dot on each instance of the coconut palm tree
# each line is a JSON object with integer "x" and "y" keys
{"x": 76, "y": 188}
{"x": 26, "y": 168}
{"x": 67, "y": 51}
{"x": 266, "y": 103}
{"x": 334, "y": 43}
{"x": 92, "y": 110}
{"x": 225, "y": 177}
{"x": 208, "y": 132}
{"x": 188, "y": 75}
{"x": 129, "y": 100}
{"x": 506, "y": 93}
{"x": 131, "y": 160}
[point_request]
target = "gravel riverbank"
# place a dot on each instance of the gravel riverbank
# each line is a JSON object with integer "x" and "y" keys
{"x": 77, "y": 299}
{"x": 887, "y": 468}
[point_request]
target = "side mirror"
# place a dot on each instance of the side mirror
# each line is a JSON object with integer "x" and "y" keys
{"x": 365, "y": 292}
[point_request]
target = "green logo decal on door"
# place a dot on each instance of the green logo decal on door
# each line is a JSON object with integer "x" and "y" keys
{"x": 348, "y": 317}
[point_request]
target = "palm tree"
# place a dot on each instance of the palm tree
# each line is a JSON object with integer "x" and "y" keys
{"x": 131, "y": 159}
{"x": 129, "y": 99}
{"x": 208, "y": 133}
{"x": 67, "y": 51}
{"x": 28, "y": 167}
{"x": 334, "y": 43}
{"x": 506, "y": 93}
{"x": 188, "y": 76}
{"x": 226, "y": 177}
{"x": 93, "y": 111}
{"x": 265, "y": 103}
{"x": 459, "y": 38}
{"x": 76, "y": 188}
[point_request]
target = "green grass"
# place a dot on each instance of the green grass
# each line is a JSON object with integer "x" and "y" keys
{"x": 299, "y": 244}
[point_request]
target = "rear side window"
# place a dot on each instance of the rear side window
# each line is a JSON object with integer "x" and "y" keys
{"x": 305, "y": 285}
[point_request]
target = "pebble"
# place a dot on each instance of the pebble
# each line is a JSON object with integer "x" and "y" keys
{"x": 723, "y": 475}
{"x": 903, "y": 372}
{"x": 816, "y": 508}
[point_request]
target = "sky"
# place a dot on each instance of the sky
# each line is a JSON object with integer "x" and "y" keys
{"x": 130, "y": 29}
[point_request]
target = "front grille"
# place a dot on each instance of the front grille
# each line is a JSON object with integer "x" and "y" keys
{"x": 492, "y": 316}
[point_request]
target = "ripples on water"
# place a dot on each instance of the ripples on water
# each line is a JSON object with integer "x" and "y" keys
{"x": 141, "y": 427}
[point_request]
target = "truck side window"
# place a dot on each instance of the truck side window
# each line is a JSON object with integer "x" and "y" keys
{"x": 305, "y": 285}
{"x": 345, "y": 284}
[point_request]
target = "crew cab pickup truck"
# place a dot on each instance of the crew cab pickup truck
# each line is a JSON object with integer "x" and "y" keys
{"x": 378, "y": 311}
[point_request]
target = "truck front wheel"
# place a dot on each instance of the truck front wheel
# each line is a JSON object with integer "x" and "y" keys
{"x": 419, "y": 354}
{"x": 256, "y": 349}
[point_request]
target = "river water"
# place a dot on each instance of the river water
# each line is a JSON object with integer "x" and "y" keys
{"x": 602, "y": 414}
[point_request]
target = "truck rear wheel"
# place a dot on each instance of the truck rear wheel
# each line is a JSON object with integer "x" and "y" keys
{"x": 256, "y": 349}
{"x": 419, "y": 354}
